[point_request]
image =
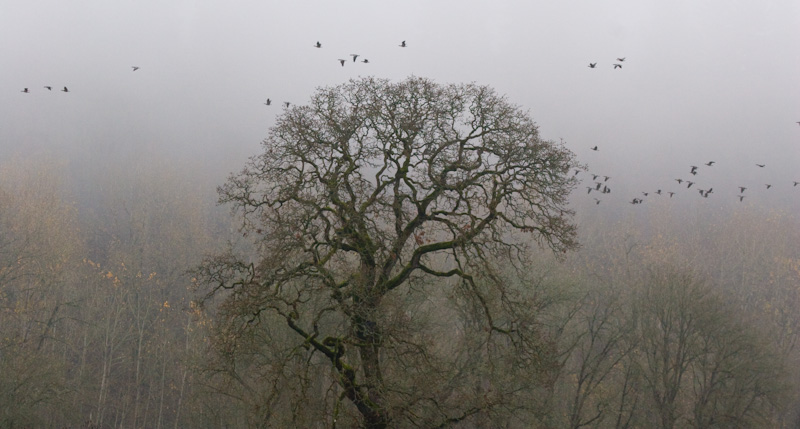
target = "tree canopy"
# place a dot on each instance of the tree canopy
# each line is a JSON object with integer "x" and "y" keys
{"x": 371, "y": 189}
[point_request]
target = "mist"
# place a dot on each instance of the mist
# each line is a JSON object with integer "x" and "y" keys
{"x": 108, "y": 191}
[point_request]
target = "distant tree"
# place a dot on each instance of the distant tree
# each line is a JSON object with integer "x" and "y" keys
{"x": 367, "y": 206}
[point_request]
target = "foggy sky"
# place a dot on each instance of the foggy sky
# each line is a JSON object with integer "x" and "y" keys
{"x": 713, "y": 80}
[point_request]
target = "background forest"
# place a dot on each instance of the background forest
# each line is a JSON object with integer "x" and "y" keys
{"x": 669, "y": 315}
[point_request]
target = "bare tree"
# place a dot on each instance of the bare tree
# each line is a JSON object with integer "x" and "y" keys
{"x": 364, "y": 193}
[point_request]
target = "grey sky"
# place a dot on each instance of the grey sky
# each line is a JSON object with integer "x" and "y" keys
{"x": 703, "y": 80}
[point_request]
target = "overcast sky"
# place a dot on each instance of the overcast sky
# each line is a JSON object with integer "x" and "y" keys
{"x": 702, "y": 80}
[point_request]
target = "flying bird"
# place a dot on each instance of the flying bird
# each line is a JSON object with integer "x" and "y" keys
{"x": 689, "y": 184}
{"x": 25, "y": 90}
{"x": 768, "y": 186}
{"x": 49, "y": 88}
{"x": 694, "y": 169}
{"x": 741, "y": 189}
{"x": 592, "y": 65}
{"x": 710, "y": 163}
{"x": 594, "y": 148}
{"x": 761, "y": 165}
{"x": 286, "y": 103}
{"x": 741, "y": 197}
{"x": 65, "y": 89}
{"x": 355, "y": 56}
{"x": 341, "y": 61}
{"x": 403, "y": 44}
{"x": 318, "y": 45}
{"x": 621, "y": 59}
{"x": 617, "y": 66}
{"x": 796, "y": 183}
{"x": 671, "y": 194}
{"x": 597, "y": 201}
{"x": 365, "y": 61}
{"x": 679, "y": 181}
{"x": 595, "y": 176}
{"x": 135, "y": 68}
{"x": 605, "y": 178}
{"x": 268, "y": 102}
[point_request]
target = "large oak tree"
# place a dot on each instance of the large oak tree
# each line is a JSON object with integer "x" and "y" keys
{"x": 377, "y": 196}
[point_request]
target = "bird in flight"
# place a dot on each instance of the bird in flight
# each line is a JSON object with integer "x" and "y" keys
{"x": 694, "y": 169}
{"x": 268, "y": 102}
{"x": 135, "y": 68}
{"x": 597, "y": 201}
{"x": 49, "y": 88}
{"x": 355, "y": 56}
{"x": 605, "y": 178}
{"x": 592, "y": 65}
{"x": 741, "y": 197}
{"x": 768, "y": 186}
{"x": 796, "y": 183}
{"x": 761, "y": 165}
{"x": 25, "y": 90}
{"x": 741, "y": 189}
{"x": 318, "y": 45}
{"x": 65, "y": 89}
{"x": 594, "y": 148}
{"x": 621, "y": 59}
{"x": 286, "y": 103}
{"x": 341, "y": 61}
{"x": 710, "y": 163}
{"x": 365, "y": 61}
{"x": 671, "y": 194}
{"x": 689, "y": 184}
{"x": 617, "y": 66}
{"x": 595, "y": 176}
{"x": 679, "y": 181}
{"x": 403, "y": 44}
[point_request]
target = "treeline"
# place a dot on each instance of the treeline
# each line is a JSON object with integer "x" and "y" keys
{"x": 660, "y": 320}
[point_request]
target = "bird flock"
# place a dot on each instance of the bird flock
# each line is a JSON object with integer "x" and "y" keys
{"x": 601, "y": 186}
{"x": 341, "y": 62}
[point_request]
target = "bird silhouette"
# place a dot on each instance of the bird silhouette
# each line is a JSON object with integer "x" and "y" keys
{"x": 135, "y": 68}
{"x": 598, "y": 185}
{"x": 605, "y": 178}
{"x": 318, "y": 45}
{"x": 596, "y": 201}
{"x": 365, "y": 61}
{"x": 761, "y": 165}
{"x": 592, "y": 65}
{"x": 341, "y": 61}
{"x": 694, "y": 169}
{"x": 590, "y": 189}
{"x": 742, "y": 189}
{"x": 768, "y": 186}
{"x": 576, "y": 172}
{"x": 65, "y": 89}
{"x": 795, "y": 184}
{"x": 49, "y": 88}
{"x": 671, "y": 194}
{"x": 355, "y": 56}
{"x": 710, "y": 163}
{"x": 595, "y": 176}
{"x": 268, "y": 102}
{"x": 403, "y": 44}
{"x": 621, "y": 59}
{"x": 741, "y": 197}
{"x": 286, "y": 103}
{"x": 679, "y": 181}
{"x": 689, "y": 184}
{"x": 617, "y": 66}
{"x": 25, "y": 90}
{"x": 645, "y": 193}
{"x": 658, "y": 192}
{"x": 594, "y": 148}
